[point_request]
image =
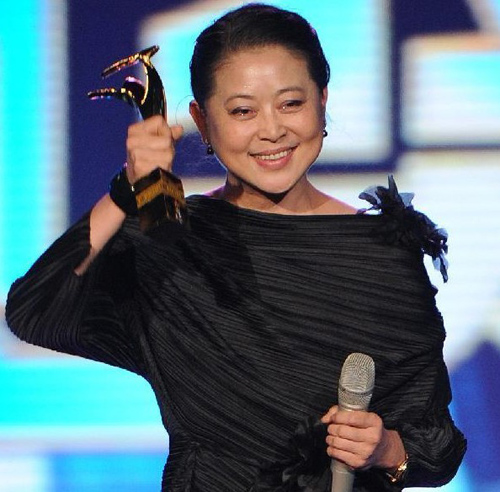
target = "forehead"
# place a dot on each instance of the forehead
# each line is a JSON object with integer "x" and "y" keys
{"x": 258, "y": 67}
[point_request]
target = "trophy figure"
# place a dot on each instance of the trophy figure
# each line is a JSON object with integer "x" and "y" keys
{"x": 160, "y": 195}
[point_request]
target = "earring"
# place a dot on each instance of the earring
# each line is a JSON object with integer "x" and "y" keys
{"x": 210, "y": 149}
{"x": 325, "y": 133}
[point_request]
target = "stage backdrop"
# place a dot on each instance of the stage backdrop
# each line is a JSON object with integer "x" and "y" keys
{"x": 415, "y": 91}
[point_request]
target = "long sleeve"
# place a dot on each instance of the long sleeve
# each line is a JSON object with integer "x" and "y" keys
{"x": 88, "y": 315}
{"x": 422, "y": 397}
{"x": 418, "y": 410}
{"x": 412, "y": 396}
{"x": 433, "y": 442}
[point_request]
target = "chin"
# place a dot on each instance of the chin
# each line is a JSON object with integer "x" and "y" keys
{"x": 274, "y": 192}
{"x": 271, "y": 187}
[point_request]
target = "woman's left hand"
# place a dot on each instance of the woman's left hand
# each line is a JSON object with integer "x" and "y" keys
{"x": 360, "y": 440}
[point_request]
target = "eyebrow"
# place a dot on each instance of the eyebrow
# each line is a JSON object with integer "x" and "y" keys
{"x": 278, "y": 93}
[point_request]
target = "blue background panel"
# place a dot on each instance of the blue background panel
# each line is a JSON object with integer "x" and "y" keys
{"x": 410, "y": 94}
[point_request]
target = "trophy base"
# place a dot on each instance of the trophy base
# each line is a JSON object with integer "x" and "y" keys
{"x": 160, "y": 198}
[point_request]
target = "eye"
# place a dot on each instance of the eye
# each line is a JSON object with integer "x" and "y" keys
{"x": 292, "y": 105}
{"x": 241, "y": 112}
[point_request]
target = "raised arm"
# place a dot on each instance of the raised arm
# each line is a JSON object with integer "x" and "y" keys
{"x": 77, "y": 297}
{"x": 150, "y": 144}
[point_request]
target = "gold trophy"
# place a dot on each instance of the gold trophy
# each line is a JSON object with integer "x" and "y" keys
{"x": 160, "y": 195}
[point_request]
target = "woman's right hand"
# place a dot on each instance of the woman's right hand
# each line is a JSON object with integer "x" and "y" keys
{"x": 151, "y": 144}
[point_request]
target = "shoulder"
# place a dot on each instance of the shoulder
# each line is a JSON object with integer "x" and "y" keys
{"x": 336, "y": 207}
{"x": 404, "y": 225}
{"x": 328, "y": 205}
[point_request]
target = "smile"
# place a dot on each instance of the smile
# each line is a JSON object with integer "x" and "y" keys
{"x": 273, "y": 157}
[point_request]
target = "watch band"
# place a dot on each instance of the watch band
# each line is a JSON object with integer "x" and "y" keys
{"x": 399, "y": 474}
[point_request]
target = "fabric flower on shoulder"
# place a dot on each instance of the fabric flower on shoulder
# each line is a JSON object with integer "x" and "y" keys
{"x": 406, "y": 226}
{"x": 307, "y": 470}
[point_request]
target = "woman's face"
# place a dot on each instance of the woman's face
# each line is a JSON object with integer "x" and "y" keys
{"x": 265, "y": 119}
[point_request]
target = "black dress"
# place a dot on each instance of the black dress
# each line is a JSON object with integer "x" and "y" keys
{"x": 241, "y": 324}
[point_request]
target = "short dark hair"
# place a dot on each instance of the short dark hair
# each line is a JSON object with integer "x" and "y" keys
{"x": 251, "y": 26}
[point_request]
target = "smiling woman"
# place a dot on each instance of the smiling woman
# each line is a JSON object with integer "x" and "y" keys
{"x": 260, "y": 92}
{"x": 241, "y": 321}
{"x": 265, "y": 122}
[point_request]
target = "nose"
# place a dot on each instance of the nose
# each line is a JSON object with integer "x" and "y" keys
{"x": 271, "y": 126}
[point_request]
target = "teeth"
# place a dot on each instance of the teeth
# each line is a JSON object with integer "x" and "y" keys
{"x": 272, "y": 157}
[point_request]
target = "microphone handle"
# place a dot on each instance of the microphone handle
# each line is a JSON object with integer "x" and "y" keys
{"x": 342, "y": 477}
{"x": 355, "y": 390}
{"x": 342, "y": 474}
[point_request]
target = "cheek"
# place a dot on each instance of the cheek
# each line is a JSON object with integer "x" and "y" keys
{"x": 232, "y": 137}
{"x": 308, "y": 124}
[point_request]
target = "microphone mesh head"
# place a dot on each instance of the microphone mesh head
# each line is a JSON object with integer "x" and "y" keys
{"x": 356, "y": 383}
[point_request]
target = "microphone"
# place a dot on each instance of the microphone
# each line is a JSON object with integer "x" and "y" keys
{"x": 356, "y": 383}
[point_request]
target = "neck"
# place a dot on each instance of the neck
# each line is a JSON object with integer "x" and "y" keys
{"x": 302, "y": 199}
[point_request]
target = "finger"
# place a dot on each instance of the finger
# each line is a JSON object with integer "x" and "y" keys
{"x": 354, "y": 434}
{"x": 327, "y": 418}
{"x": 134, "y": 143}
{"x": 360, "y": 419}
{"x": 147, "y": 157}
{"x": 358, "y": 448}
{"x": 362, "y": 451}
{"x": 144, "y": 133}
{"x": 162, "y": 128}
{"x": 155, "y": 125}
{"x": 355, "y": 440}
{"x": 353, "y": 460}
{"x": 170, "y": 134}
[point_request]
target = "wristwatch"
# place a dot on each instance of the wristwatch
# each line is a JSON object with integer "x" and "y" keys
{"x": 399, "y": 474}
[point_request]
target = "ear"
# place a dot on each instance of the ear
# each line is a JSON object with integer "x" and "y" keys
{"x": 324, "y": 97}
{"x": 199, "y": 118}
{"x": 322, "y": 101}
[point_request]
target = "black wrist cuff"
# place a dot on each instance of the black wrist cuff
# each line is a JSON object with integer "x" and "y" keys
{"x": 122, "y": 194}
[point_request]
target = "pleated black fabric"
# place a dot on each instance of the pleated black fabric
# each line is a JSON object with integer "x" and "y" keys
{"x": 241, "y": 324}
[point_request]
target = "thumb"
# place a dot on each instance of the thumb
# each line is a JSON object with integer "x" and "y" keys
{"x": 177, "y": 132}
{"x": 328, "y": 415}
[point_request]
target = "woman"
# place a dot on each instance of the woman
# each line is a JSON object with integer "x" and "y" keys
{"x": 241, "y": 322}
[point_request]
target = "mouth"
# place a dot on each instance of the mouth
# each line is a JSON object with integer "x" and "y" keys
{"x": 274, "y": 158}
